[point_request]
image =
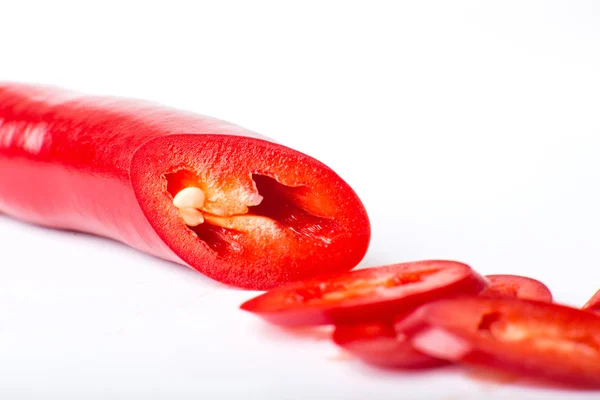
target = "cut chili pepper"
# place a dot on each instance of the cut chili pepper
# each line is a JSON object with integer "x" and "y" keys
{"x": 379, "y": 344}
{"x": 534, "y": 338}
{"x": 593, "y": 304}
{"x": 255, "y": 214}
{"x": 517, "y": 286}
{"x": 371, "y": 294}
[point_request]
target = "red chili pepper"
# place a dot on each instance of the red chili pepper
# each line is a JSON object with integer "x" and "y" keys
{"x": 258, "y": 214}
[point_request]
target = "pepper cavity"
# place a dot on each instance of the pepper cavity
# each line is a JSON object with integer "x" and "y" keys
{"x": 262, "y": 206}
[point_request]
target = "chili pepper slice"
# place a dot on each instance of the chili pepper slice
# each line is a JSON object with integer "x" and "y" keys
{"x": 533, "y": 338}
{"x": 593, "y": 304}
{"x": 195, "y": 190}
{"x": 377, "y": 343}
{"x": 371, "y": 294}
{"x": 517, "y": 286}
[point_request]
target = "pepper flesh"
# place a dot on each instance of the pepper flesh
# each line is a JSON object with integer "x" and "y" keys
{"x": 111, "y": 167}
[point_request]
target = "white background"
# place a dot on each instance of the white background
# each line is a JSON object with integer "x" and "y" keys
{"x": 469, "y": 129}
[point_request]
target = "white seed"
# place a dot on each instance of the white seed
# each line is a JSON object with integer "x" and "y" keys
{"x": 190, "y": 197}
{"x": 191, "y": 216}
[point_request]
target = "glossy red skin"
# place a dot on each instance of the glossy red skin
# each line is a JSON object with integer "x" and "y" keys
{"x": 301, "y": 304}
{"x": 377, "y": 343}
{"x": 470, "y": 330}
{"x": 593, "y": 304}
{"x": 98, "y": 165}
{"x": 517, "y": 286}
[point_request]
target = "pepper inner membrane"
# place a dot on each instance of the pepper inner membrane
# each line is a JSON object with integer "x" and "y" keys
{"x": 280, "y": 203}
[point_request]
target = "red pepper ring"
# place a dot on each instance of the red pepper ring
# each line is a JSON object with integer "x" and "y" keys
{"x": 525, "y": 337}
{"x": 379, "y": 344}
{"x": 365, "y": 295}
{"x": 112, "y": 167}
{"x": 517, "y": 286}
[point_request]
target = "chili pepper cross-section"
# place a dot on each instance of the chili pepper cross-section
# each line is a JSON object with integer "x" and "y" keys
{"x": 225, "y": 201}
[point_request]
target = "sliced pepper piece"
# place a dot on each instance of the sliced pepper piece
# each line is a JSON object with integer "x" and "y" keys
{"x": 518, "y": 286}
{"x": 527, "y": 337}
{"x": 377, "y": 343}
{"x": 370, "y": 294}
